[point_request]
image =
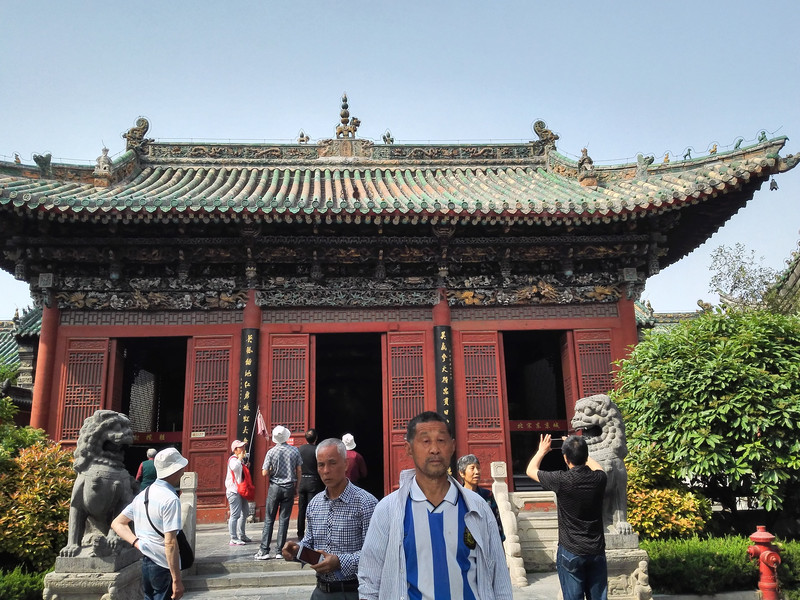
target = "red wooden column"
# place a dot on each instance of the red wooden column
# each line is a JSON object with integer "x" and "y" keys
{"x": 45, "y": 368}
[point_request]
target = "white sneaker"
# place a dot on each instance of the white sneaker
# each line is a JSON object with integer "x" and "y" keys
{"x": 235, "y": 542}
{"x": 260, "y": 555}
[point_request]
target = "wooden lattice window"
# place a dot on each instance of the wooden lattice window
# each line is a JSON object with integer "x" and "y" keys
{"x": 407, "y": 385}
{"x": 84, "y": 383}
{"x": 211, "y": 385}
{"x": 594, "y": 356}
{"x": 289, "y": 385}
{"x": 481, "y": 386}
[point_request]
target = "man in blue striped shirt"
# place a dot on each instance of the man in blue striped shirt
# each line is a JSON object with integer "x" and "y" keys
{"x": 432, "y": 539}
{"x": 336, "y": 524}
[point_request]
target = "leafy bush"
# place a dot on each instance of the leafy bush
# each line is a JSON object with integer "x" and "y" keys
{"x": 700, "y": 566}
{"x": 721, "y": 395}
{"x": 659, "y": 505}
{"x": 12, "y": 437}
{"x": 789, "y": 569}
{"x": 19, "y": 585}
{"x": 8, "y": 371}
{"x": 35, "y": 492}
{"x": 715, "y": 565}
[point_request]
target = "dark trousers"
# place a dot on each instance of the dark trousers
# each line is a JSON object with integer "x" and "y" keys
{"x": 156, "y": 581}
{"x": 582, "y": 575}
{"x": 309, "y": 487}
{"x": 278, "y": 498}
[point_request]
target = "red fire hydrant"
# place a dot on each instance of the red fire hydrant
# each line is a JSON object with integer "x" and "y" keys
{"x": 768, "y": 561}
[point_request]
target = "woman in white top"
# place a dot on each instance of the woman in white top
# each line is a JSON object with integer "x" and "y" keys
{"x": 239, "y": 506}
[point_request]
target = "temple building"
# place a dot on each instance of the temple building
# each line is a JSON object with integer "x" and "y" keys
{"x": 347, "y": 285}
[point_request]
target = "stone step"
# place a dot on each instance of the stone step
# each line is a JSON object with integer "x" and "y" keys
{"x": 256, "y": 578}
{"x": 246, "y": 566}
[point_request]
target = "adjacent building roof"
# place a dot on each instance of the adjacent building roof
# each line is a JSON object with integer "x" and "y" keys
{"x": 8, "y": 344}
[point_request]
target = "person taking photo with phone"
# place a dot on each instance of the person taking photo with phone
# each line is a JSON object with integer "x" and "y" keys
{"x": 337, "y": 520}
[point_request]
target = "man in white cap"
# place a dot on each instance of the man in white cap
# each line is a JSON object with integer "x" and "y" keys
{"x": 356, "y": 466}
{"x": 239, "y": 507}
{"x": 157, "y": 524}
{"x": 282, "y": 467}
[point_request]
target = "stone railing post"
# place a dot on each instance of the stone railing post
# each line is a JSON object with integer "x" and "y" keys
{"x": 189, "y": 507}
{"x": 512, "y": 546}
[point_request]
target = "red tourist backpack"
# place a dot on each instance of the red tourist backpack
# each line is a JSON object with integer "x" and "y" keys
{"x": 246, "y": 488}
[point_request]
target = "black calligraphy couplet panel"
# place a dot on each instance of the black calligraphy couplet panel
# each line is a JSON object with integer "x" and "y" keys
{"x": 443, "y": 346}
{"x": 248, "y": 380}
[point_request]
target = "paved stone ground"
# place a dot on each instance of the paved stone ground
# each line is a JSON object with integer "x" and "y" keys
{"x": 212, "y": 546}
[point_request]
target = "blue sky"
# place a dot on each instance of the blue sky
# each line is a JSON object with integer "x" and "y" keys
{"x": 619, "y": 78}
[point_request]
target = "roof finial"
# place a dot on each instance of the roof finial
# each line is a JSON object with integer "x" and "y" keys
{"x": 345, "y": 114}
{"x": 348, "y": 127}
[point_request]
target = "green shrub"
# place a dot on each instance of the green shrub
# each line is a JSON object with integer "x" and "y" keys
{"x": 19, "y": 585}
{"x": 789, "y": 569}
{"x": 715, "y": 565}
{"x": 14, "y": 438}
{"x": 659, "y": 506}
{"x": 34, "y": 505}
{"x": 700, "y": 566}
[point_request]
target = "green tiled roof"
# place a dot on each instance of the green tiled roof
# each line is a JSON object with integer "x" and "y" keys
{"x": 540, "y": 189}
{"x": 29, "y": 324}
{"x": 9, "y": 354}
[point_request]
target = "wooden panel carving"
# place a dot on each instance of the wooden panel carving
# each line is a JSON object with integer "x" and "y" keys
{"x": 85, "y": 367}
{"x": 405, "y": 359}
{"x": 594, "y": 361}
{"x": 289, "y": 381}
{"x": 210, "y": 389}
{"x": 483, "y": 398}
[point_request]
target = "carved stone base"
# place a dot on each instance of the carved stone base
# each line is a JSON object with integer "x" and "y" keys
{"x": 97, "y": 564}
{"x": 627, "y": 577}
{"x": 125, "y": 584}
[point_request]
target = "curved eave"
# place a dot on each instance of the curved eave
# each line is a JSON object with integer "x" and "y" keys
{"x": 455, "y": 194}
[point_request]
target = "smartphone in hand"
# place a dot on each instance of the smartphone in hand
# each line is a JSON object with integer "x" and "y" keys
{"x": 308, "y": 556}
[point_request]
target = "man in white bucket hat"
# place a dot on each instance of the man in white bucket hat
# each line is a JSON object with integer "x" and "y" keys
{"x": 161, "y": 563}
{"x": 282, "y": 467}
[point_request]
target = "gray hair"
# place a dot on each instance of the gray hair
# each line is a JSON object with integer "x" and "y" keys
{"x": 465, "y": 461}
{"x": 151, "y": 453}
{"x": 339, "y": 444}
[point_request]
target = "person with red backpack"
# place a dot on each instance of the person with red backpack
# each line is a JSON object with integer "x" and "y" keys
{"x": 236, "y": 480}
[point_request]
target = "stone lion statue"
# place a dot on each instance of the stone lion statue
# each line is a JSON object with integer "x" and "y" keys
{"x": 604, "y": 431}
{"x": 103, "y": 486}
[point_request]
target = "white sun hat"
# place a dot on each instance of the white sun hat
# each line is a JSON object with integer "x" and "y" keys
{"x": 280, "y": 434}
{"x": 168, "y": 462}
{"x": 349, "y": 441}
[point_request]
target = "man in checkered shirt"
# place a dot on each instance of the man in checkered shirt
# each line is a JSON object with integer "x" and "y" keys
{"x": 336, "y": 525}
{"x": 282, "y": 466}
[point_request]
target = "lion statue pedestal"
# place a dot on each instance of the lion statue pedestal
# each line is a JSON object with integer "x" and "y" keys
{"x": 96, "y": 564}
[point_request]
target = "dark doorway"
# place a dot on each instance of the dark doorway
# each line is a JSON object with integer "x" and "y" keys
{"x": 535, "y": 390}
{"x": 153, "y": 382}
{"x": 349, "y": 397}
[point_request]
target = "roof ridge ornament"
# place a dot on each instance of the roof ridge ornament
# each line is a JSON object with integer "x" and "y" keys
{"x": 546, "y": 136}
{"x": 586, "y": 173}
{"x": 348, "y": 125}
{"x": 43, "y": 162}
{"x": 135, "y": 135}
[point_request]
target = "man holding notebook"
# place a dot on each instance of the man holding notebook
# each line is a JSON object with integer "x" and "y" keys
{"x": 336, "y": 525}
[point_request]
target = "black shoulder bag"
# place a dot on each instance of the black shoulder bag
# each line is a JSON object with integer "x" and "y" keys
{"x": 184, "y": 548}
